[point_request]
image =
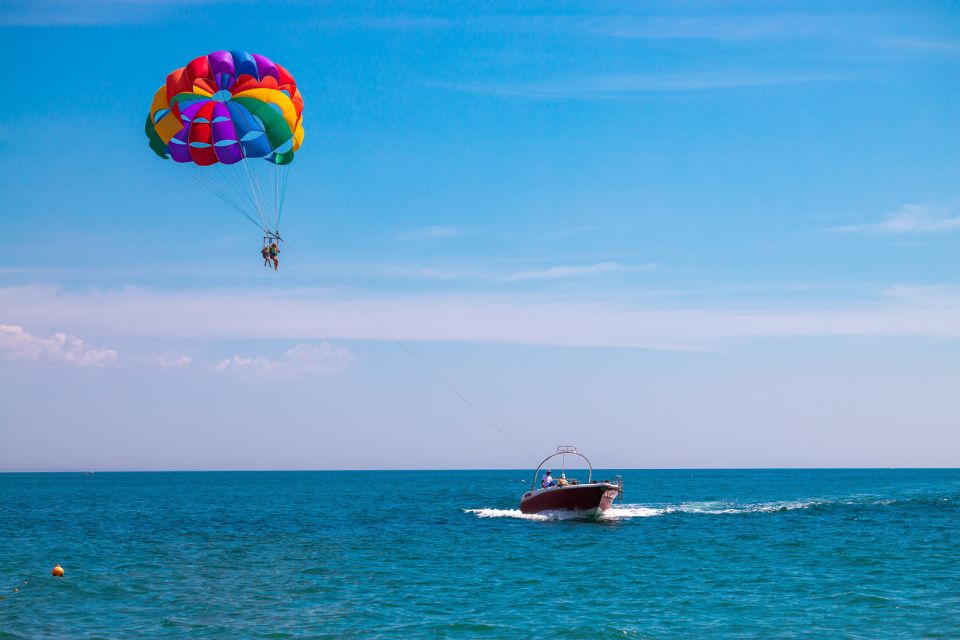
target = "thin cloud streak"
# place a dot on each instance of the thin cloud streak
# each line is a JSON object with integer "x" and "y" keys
{"x": 381, "y": 23}
{"x": 554, "y": 273}
{"x": 430, "y": 273}
{"x": 930, "y": 293}
{"x": 316, "y": 315}
{"x": 610, "y": 86}
{"x": 919, "y": 45}
{"x": 570, "y": 232}
{"x": 911, "y": 218}
{"x": 710, "y": 28}
{"x": 70, "y": 13}
{"x": 432, "y": 232}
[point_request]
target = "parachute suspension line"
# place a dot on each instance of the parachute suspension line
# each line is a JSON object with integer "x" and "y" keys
{"x": 230, "y": 194}
{"x": 246, "y": 186}
{"x": 284, "y": 176}
{"x": 276, "y": 194}
{"x": 410, "y": 352}
{"x": 224, "y": 194}
{"x": 251, "y": 192}
{"x": 241, "y": 184}
{"x": 232, "y": 187}
{"x": 197, "y": 174}
{"x": 232, "y": 173}
{"x": 240, "y": 189}
{"x": 258, "y": 195}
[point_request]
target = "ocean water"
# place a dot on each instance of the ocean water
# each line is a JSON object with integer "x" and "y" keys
{"x": 446, "y": 554}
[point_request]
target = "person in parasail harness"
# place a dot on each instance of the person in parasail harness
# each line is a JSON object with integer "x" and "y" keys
{"x": 265, "y": 252}
{"x": 275, "y": 255}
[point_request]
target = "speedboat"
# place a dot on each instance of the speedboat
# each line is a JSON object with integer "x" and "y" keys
{"x": 589, "y": 498}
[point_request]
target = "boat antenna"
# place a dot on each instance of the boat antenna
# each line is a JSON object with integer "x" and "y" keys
{"x": 410, "y": 352}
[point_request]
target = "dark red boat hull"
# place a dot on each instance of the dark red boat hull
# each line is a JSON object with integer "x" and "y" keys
{"x": 591, "y": 499}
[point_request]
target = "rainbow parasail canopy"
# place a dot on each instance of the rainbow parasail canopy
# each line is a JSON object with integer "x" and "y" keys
{"x": 225, "y": 107}
{"x": 230, "y": 108}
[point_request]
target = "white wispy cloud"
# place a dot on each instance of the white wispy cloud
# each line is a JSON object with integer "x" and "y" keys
{"x": 318, "y": 359}
{"x": 429, "y": 273}
{"x": 382, "y": 23}
{"x": 570, "y": 231}
{"x": 17, "y": 344}
{"x": 574, "y": 271}
{"x": 609, "y": 86}
{"x": 922, "y": 45}
{"x": 435, "y": 231}
{"x": 59, "y": 13}
{"x": 910, "y": 218}
{"x": 173, "y": 362}
{"x": 935, "y": 293}
{"x": 723, "y": 28}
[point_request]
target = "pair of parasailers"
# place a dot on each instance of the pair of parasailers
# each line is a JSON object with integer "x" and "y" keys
{"x": 271, "y": 253}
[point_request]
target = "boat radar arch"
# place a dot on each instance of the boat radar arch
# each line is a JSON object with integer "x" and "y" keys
{"x": 563, "y": 449}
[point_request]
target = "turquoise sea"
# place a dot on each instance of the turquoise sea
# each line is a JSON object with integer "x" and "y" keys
{"x": 445, "y": 554}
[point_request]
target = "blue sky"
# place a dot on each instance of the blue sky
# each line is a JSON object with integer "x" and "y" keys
{"x": 675, "y": 234}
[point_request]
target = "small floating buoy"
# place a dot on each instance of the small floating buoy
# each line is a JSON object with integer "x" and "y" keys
{"x": 57, "y": 571}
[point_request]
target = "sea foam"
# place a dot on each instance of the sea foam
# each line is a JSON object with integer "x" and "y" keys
{"x": 626, "y": 511}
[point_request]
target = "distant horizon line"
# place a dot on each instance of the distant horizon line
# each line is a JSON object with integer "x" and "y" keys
{"x": 466, "y": 469}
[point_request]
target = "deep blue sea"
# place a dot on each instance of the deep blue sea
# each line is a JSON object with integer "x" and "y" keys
{"x": 446, "y": 554}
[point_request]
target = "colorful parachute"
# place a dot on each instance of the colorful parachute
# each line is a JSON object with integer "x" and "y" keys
{"x": 222, "y": 116}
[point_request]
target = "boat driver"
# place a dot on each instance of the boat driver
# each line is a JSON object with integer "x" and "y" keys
{"x": 547, "y": 481}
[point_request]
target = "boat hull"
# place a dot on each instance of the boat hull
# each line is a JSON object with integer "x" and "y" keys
{"x": 589, "y": 499}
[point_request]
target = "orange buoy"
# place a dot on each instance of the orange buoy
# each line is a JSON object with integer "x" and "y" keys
{"x": 58, "y": 571}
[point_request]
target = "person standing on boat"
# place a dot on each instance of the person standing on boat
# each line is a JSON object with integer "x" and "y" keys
{"x": 547, "y": 480}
